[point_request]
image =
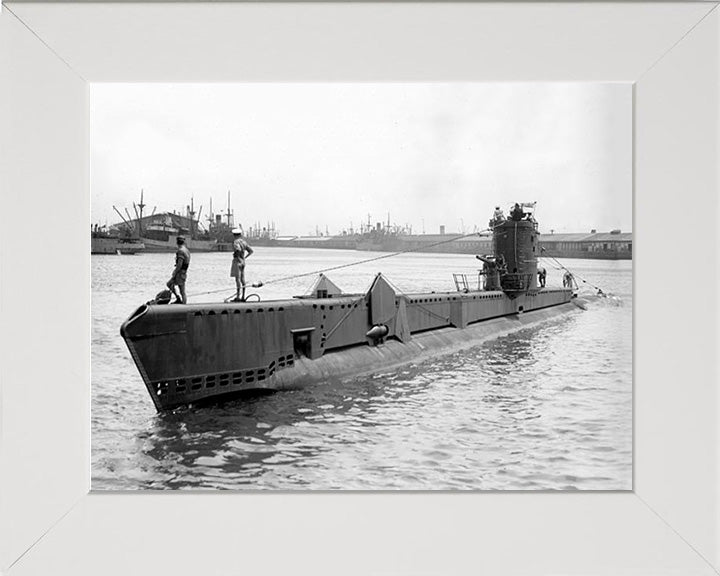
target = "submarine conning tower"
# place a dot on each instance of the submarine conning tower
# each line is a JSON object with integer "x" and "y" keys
{"x": 515, "y": 247}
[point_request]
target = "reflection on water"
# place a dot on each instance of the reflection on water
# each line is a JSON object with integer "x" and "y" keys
{"x": 548, "y": 407}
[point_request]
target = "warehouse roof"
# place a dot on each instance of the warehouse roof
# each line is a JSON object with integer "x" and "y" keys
{"x": 596, "y": 237}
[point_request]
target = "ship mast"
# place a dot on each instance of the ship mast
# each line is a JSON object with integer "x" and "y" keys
{"x": 211, "y": 216}
{"x": 141, "y": 206}
{"x": 229, "y": 213}
{"x": 191, "y": 214}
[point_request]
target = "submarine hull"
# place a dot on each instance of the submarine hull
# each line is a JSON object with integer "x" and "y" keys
{"x": 197, "y": 353}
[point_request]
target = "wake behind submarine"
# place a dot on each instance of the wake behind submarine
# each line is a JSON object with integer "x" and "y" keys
{"x": 199, "y": 353}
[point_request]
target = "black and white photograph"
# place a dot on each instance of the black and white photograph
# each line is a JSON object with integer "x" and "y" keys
{"x": 331, "y": 286}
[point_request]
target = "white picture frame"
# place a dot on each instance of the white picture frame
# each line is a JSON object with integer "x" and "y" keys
{"x": 51, "y": 524}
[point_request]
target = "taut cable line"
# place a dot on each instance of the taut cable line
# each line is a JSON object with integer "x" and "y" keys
{"x": 573, "y": 274}
{"x": 346, "y": 265}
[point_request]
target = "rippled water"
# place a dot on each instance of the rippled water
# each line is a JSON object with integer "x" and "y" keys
{"x": 547, "y": 407}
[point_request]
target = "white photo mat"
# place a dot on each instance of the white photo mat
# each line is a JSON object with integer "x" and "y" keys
{"x": 49, "y": 524}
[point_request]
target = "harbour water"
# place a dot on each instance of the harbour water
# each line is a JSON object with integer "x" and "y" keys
{"x": 546, "y": 408}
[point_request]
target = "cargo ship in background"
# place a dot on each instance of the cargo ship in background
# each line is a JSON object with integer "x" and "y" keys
{"x": 614, "y": 245}
{"x": 189, "y": 354}
{"x": 386, "y": 237}
{"x": 158, "y": 232}
{"x": 111, "y": 241}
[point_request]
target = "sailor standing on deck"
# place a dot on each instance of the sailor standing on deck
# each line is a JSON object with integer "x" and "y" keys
{"x": 542, "y": 275}
{"x": 498, "y": 215}
{"x": 179, "y": 275}
{"x": 241, "y": 250}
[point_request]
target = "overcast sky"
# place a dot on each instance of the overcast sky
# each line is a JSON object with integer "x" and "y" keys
{"x": 307, "y": 155}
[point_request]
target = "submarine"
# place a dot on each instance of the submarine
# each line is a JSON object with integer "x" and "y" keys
{"x": 192, "y": 354}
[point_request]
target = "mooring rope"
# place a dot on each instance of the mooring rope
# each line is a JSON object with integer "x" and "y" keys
{"x": 573, "y": 274}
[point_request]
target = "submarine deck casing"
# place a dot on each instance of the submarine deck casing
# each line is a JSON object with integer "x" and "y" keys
{"x": 194, "y": 353}
{"x": 198, "y": 352}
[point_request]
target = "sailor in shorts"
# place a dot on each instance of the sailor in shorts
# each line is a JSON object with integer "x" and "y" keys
{"x": 241, "y": 250}
{"x": 179, "y": 275}
{"x": 542, "y": 276}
